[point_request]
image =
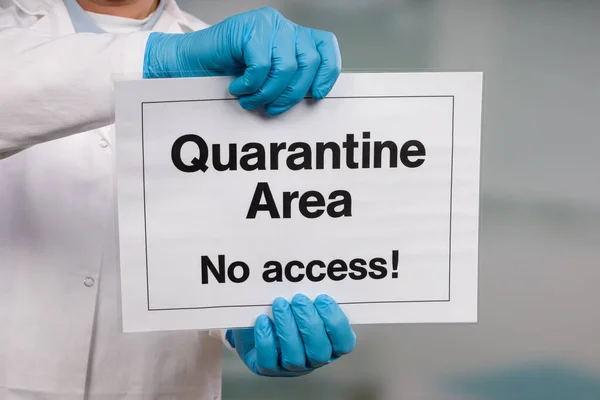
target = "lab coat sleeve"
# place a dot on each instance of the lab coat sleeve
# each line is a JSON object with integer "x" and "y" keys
{"x": 58, "y": 86}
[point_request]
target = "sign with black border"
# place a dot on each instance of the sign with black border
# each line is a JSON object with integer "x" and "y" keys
{"x": 203, "y": 247}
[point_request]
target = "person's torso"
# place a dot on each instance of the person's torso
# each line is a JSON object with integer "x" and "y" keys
{"x": 60, "y": 332}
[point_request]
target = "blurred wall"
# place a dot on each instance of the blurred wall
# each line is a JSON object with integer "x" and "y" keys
{"x": 539, "y": 323}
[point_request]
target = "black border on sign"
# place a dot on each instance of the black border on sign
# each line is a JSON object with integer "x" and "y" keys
{"x": 266, "y": 305}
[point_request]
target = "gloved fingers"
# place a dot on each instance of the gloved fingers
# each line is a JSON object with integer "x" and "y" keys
{"x": 283, "y": 68}
{"x": 292, "y": 348}
{"x": 243, "y": 340}
{"x": 309, "y": 61}
{"x": 257, "y": 55}
{"x": 244, "y": 346}
{"x": 331, "y": 63}
{"x": 266, "y": 346}
{"x": 343, "y": 338}
{"x": 317, "y": 346}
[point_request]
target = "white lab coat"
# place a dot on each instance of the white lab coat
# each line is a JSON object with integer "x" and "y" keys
{"x": 60, "y": 335}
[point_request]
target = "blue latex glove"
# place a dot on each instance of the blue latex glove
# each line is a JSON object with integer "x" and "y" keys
{"x": 279, "y": 62}
{"x": 302, "y": 337}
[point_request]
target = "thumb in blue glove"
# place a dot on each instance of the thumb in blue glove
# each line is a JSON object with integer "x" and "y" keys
{"x": 277, "y": 61}
{"x": 302, "y": 337}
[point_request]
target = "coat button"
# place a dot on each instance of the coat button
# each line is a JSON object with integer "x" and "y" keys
{"x": 89, "y": 282}
{"x": 103, "y": 143}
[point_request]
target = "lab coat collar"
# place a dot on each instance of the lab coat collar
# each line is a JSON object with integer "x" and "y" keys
{"x": 84, "y": 23}
{"x": 53, "y": 17}
{"x": 173, "y": 20}
{"x": 36, "y": 8}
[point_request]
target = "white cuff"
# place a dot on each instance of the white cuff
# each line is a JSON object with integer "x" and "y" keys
{"x": 133, "y": 53}
{"x": 220, "y": 334}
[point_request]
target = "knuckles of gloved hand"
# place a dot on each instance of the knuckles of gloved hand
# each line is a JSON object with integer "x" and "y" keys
{"x": 302, "y": 337}
{"x": 276, "y": 62}
{"x": 283, "y": 61}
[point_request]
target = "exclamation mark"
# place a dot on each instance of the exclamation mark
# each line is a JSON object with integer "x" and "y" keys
{"x": 395, "y": 264}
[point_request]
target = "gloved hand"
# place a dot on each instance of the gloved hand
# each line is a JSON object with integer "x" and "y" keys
{"x": 279, "y": 61}
{"x": 302, "y": 337}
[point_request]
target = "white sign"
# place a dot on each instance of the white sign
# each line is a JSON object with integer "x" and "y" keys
{"x": 370, "y": 196}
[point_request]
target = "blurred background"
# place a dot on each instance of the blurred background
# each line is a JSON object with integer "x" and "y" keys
{"x": 538, "y": 335}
